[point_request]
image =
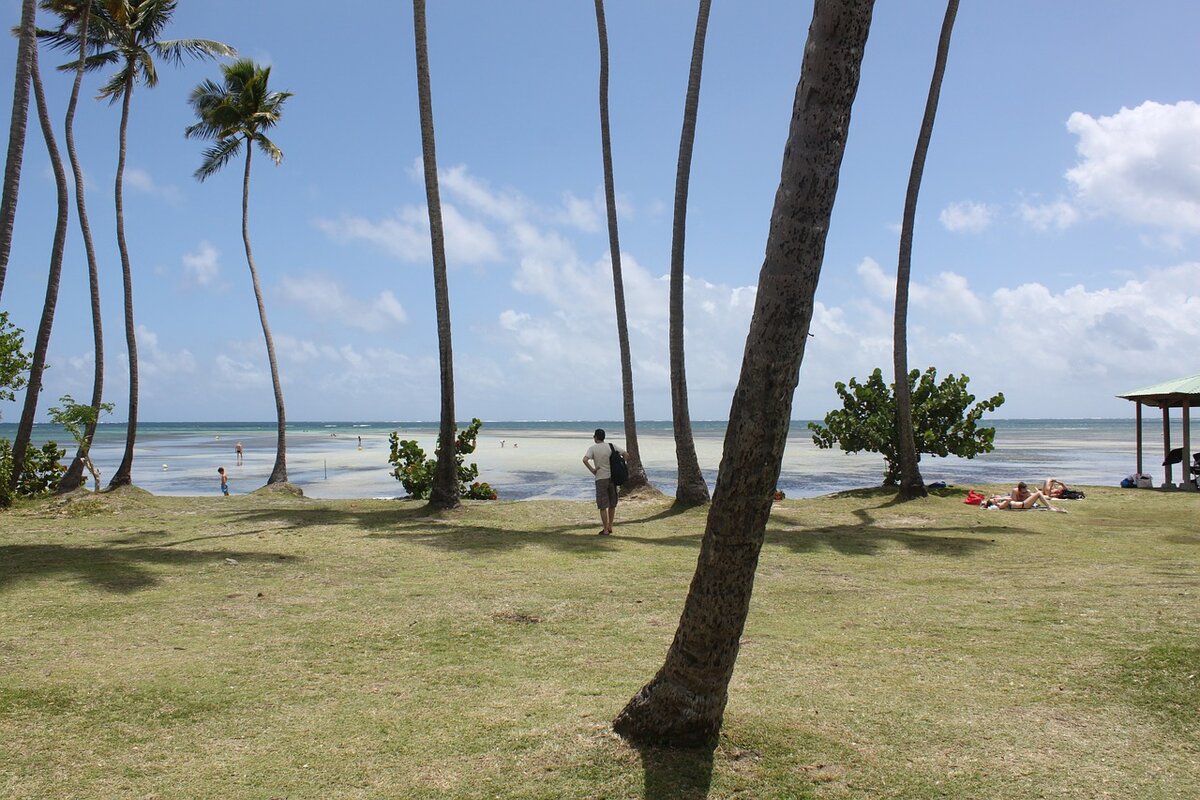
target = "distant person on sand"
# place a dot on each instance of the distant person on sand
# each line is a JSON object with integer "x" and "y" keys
{"x": 224, "y": 481}
{"x": 596, "y": 459}
{"x": 237, "y": 449}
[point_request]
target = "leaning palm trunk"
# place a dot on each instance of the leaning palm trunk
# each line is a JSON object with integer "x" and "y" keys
{"x": 279, "y": 471}
{"x": 692, "y": 490}
{"x": 684, "y": 703}
{"x": 16, "y": 132}
{"x": 124, "y": 474}
{"x": 912, "y": 485}
{"x": 444, "y": 493}
{"x": 637, "y": 473}
{"x": 73, "y": 478}
{"x": 34, "y": 387}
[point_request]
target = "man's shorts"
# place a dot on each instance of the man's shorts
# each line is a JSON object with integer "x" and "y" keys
{"x": 606, "y": 493}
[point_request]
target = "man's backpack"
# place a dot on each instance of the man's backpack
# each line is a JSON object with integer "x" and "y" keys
{"x": 617, "y": 466}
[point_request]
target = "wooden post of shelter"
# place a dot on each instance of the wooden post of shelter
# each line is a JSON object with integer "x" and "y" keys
{"x": 1138, "y": 414}
{"x": 1185, "y": 479}
{"x": 1166, "y": 415}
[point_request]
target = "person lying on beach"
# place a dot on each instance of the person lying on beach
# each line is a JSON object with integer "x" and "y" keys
{"x": 1053, "y": 487}
{"x": 1021, "y": 498}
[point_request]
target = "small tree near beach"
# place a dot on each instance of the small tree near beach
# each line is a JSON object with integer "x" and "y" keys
{"x": 944, "y": 421}
{"x": 416, "y": 472}
{"x": 80, "y": 421}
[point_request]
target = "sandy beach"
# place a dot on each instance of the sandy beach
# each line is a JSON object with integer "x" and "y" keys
{"x": 541, "y": 460}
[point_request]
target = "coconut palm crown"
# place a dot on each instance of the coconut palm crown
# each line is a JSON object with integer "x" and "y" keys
{"x": 241, "y": 110}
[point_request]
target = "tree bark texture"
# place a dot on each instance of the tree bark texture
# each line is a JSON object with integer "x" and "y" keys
{"x": 124, "y": 474}
{"x": 42, "y": 344}
{"x": 26, "y": 45}
{"x": 279, "y": 470}
{"x": 444, "y": 493}
{"x": 912, "y": 485}
{"x": 637, "y": 473}
{"x": 683, "y": 705}
{"x": 74, "y": 477}
{"x": 691, "y": 488}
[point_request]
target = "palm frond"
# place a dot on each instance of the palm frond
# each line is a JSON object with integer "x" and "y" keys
{"x": 270, "y": 148}
{"x": 217, "y": 156}
{"x": 176, "y": 50}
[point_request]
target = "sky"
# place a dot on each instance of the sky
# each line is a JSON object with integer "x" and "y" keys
{"x": 1056, "y": 255}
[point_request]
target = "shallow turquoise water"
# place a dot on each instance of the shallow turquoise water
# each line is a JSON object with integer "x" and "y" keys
{"x": 324, "y": 457}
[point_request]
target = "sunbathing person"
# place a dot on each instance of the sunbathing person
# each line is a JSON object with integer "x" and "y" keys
{"x": 1053, "y": 487}
{"x": 1022, "y": 498}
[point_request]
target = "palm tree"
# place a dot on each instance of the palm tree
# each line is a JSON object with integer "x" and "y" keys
{"x": 444, "y": 494}
{"x": 42, "y": 342}
{"x": 126, "y": 33}
{"x": 684, "y": 703}
{"x": 242, "y": 111}
{"x": 77, "y": 14}
{"x": 637, "y": 473}
{"x": 16, "y": 133}
{"x": 912, "y": 485}
{"x": 692, "y": 489}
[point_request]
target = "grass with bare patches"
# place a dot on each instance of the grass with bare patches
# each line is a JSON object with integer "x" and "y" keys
{"x": 271, "y": 646}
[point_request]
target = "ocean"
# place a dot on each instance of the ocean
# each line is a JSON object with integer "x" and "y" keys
{"x": 541, "y": 460}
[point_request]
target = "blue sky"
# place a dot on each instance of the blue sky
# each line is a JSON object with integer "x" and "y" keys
{"x": 1055, "y": 256}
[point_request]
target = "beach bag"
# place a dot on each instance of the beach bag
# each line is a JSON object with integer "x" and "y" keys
{"x": 617, "y": 466}
{"x": 974, "y": 498}
{"x": 1072, "y": 494}
{"x": 1143, "y": 481}
{"x": 1127, "y": 482}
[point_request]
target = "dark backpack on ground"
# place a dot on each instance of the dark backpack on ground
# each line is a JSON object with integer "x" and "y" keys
{"x": 617, "y": 466}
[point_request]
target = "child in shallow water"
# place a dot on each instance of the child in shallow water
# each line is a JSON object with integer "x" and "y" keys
{"x": 224, "y": 481}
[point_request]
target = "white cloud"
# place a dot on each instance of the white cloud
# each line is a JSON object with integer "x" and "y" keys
{"x": 405, "y": 235}
{"x": 325, "y": 299}
{"x": 947, "y": 295}
{"x": 203, "y": 267}
{"x": 967, "y": 217}
{"x": 144, "y": 182}
{"x": 1058, "y": 215}
{"x": 1036, "y": 343}
{"x": 1141, "y": 164}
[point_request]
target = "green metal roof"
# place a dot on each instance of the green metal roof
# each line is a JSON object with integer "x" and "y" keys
{"x": 1168, "y": 393}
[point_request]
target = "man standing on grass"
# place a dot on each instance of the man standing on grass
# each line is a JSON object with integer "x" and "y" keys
{"x": 597, "y": 460}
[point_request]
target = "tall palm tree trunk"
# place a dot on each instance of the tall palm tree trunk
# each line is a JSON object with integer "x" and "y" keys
{"x": 637, "y": 473}
{"x": 38, "y": 367}
{"x": 685, "y": 702}
{"x": 279, "y": 471}
{"x": 444, "y": 493}
{"x": 16, "y": 132}
{"x": 692, "y": 490}
{"x": 124, "y": 474}
{"x": 912, "y": 485}
{"x": 73, "y": 478}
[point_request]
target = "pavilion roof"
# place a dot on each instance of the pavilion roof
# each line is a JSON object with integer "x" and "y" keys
{"x": 1169, "y": 394}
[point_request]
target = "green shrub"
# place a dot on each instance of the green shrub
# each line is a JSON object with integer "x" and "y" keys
{"x": 40, "y": 476}
{"x": 944, "y": 421}
{"x": 415, "y": 472}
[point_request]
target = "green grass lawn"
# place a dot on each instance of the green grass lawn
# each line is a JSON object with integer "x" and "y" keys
{"x": 273, "y": 647}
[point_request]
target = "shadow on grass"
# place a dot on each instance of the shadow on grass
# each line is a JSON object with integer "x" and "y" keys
{"x": 458, "y": 531}
{"x": 676, "y": 774}
{"x": 115, "y": 569}
{"x": 868, "y": 536}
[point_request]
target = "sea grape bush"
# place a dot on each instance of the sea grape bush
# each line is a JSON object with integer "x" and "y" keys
{"x": 40, "y": 476}
{"x": 944, "y": 422}
{"x": 415, "y": 471}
